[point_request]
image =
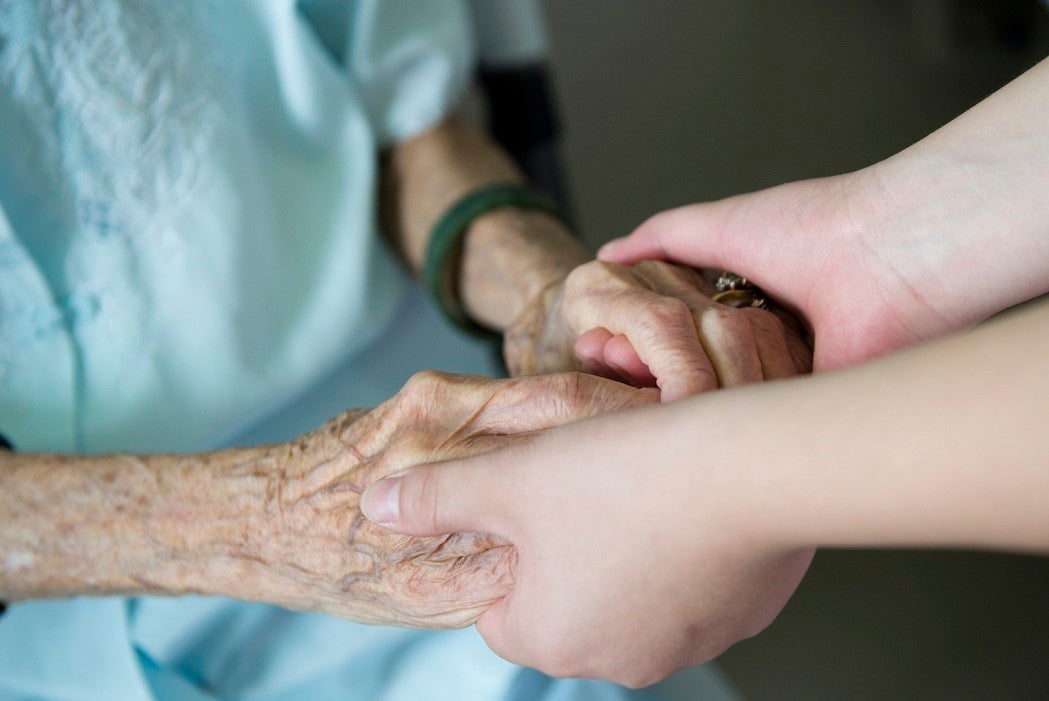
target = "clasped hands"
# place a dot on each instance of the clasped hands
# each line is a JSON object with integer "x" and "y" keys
{"x": 630, "y": 563}
{"x": 651, "y": 325}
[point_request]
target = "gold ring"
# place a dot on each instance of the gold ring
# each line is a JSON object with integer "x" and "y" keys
{"x": 736, "y": 291}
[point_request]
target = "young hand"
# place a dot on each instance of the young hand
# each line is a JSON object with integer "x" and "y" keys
{"x": 631, "y": 563}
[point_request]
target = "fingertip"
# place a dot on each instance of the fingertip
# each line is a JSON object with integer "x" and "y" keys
{"x": 380, "y": 502}
{"x": 590, "y": 345}
{"x": 619, "y": 353}
{"x": 608, "y": 251}
{"x": 625, "y": 251}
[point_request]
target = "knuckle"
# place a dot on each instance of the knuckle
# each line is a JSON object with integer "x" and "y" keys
{"x": 725, "y": 321}
{"x": 587, "y": 276}
{"x": 424, "y": 382}
{"x": 668, "y": 312}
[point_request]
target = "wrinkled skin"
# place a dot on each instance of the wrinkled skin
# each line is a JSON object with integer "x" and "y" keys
{"x": 653, "y": 324}
{"x": 323, "y": 555}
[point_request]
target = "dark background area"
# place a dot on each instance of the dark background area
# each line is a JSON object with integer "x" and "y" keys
{"x": 666, "y": 102}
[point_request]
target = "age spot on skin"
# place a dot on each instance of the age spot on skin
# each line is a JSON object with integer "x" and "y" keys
{"x": 18, "y": 560}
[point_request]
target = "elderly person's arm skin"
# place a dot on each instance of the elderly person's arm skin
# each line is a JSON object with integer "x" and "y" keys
{"x": 523, "y": 274}
{"x": 281, "y": 523}
{"x": 692, "y": 523}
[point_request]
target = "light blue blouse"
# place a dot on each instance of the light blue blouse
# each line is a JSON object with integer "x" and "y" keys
{"x": 187, "y": 220}
{"x": 188, "y": 257}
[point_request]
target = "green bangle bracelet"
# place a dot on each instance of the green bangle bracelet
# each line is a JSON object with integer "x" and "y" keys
{"x": 446, "y": 242}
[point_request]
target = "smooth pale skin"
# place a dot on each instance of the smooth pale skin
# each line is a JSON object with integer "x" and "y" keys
{"x": 281, "y": 523}
{"x": 653, "y": 540}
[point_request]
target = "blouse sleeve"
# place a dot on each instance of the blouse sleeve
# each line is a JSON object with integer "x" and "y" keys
{"x": 411, "y": 62}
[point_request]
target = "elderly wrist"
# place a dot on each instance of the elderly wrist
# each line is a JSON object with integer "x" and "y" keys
{"x": 117, "y": 524}
{"x": 204, "y": 521}
{"x": 510, "y": 256}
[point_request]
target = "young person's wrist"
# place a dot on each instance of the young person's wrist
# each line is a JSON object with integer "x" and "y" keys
{"x": 961, "y": 214}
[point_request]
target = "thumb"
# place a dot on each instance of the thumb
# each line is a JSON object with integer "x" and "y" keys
{"x": 699, "y": 236}
{"x": 434, "y": 500}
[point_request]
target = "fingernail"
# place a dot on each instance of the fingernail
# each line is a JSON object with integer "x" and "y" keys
{"x": 381, "y": 502}
{"x": 609, "y": 247}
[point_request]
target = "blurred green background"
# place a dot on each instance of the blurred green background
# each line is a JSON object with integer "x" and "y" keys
{"x": 666, "y": 102}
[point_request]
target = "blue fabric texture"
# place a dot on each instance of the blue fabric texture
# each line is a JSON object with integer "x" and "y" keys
{"x": 187, "y": 219}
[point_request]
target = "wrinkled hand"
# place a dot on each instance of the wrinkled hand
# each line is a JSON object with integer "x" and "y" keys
{"x": 632, "y": 563}
{"x": 321, "y": 554}
{"x": 652, "y": 324}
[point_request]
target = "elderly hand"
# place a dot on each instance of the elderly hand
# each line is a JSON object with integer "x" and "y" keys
{"x": 652, "y": 324}
{"x": 281, "y": 523}
{"x": 320, "y": 553}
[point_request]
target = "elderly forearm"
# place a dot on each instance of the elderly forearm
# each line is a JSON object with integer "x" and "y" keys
{"x": 509, "y": 255}
{"x": 280, "y": 523}
{"x": 212, "y": 523}
{"x": 161, "y": 524}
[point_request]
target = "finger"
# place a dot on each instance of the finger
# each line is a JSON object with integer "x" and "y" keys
{"x": 771, "y": 340}
{"x": 729, "y": 341}
{"x": 438, "y": 499}
{"x": 724, "y": 332}
{"x": 540, "y": 402}
{"x": 662, "y": 333}
{"x": 617, "y": 361}
{"x": 590, "y": 348}
{"x": 619, "y": 353}
{"x": 660, "y": 328}
{"x": 695, "y": 235}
